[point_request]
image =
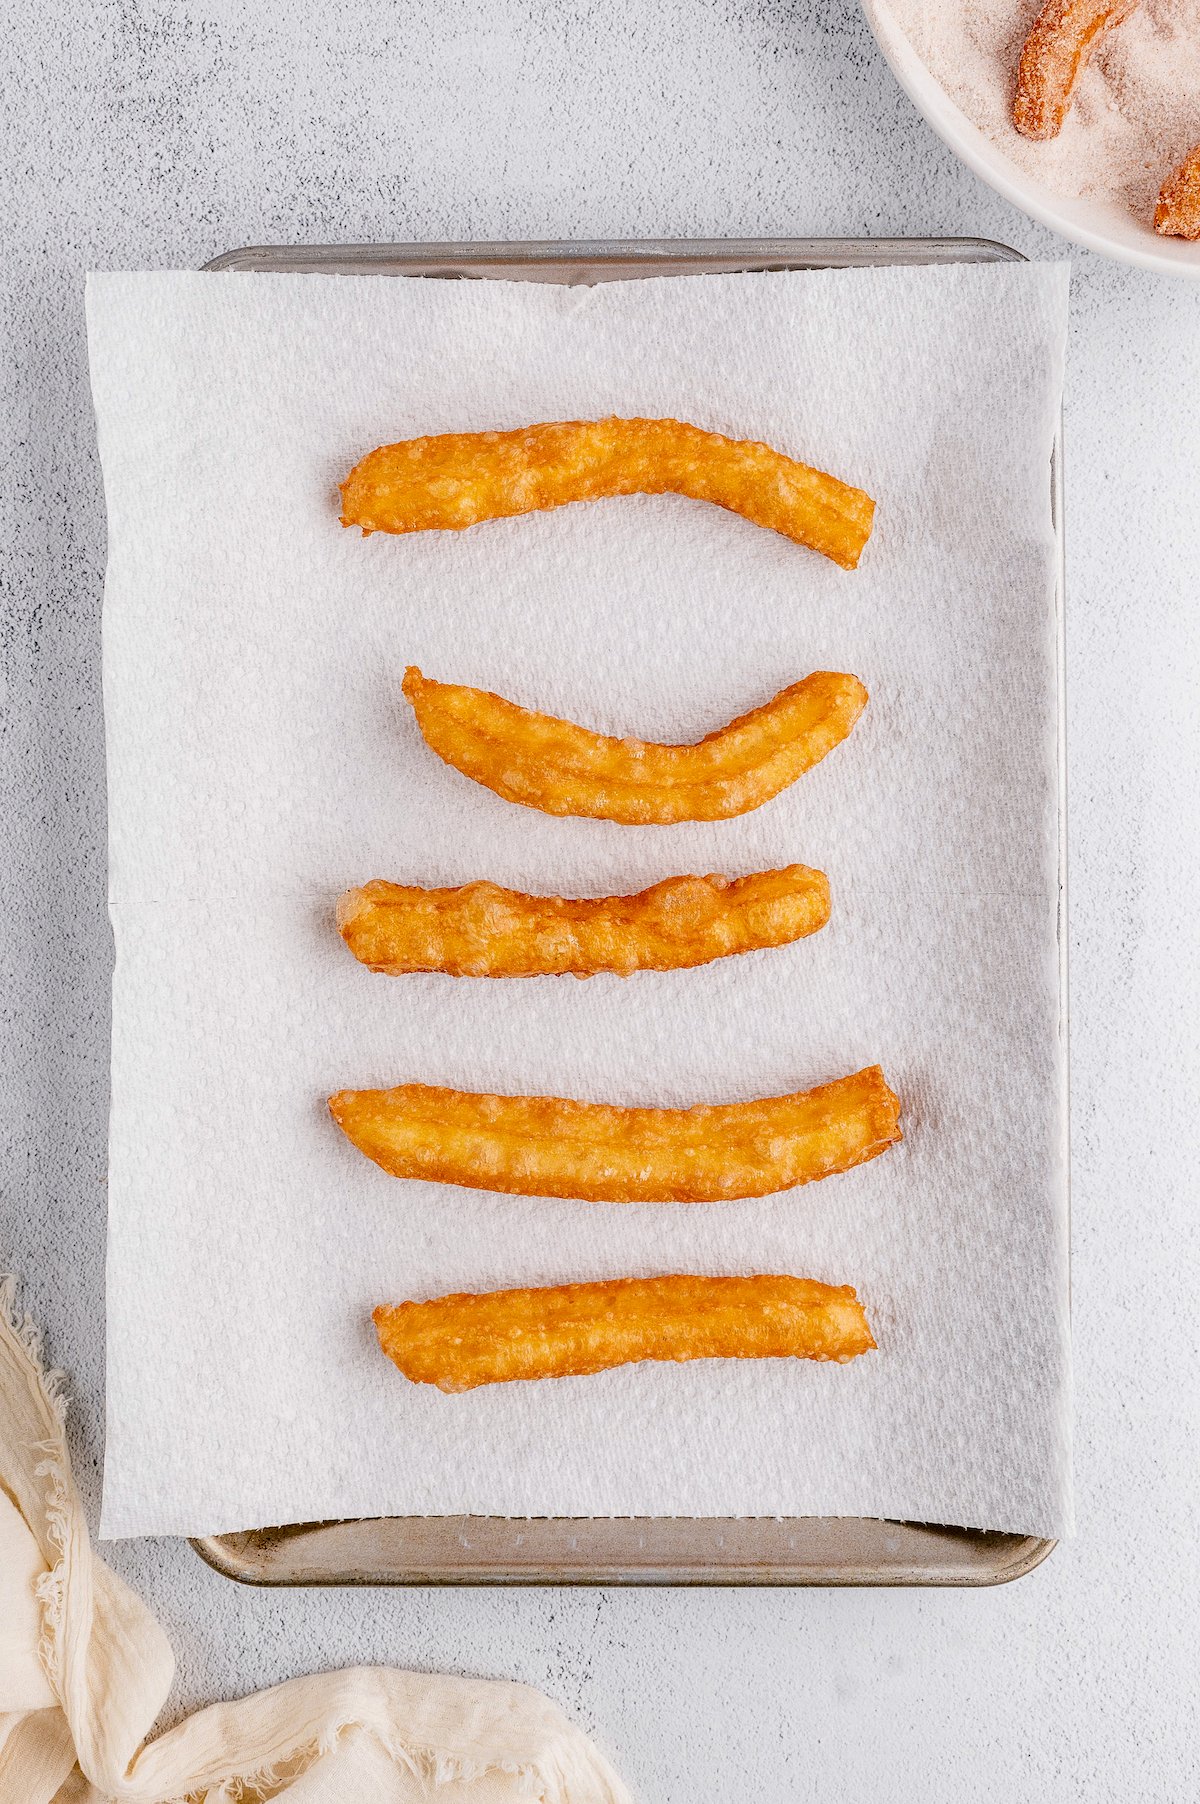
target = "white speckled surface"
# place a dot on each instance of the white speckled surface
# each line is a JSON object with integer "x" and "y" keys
{"x": 153, "y": 135}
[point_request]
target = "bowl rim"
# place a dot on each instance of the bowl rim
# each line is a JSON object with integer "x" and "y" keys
{"x": 1165, "y": 256}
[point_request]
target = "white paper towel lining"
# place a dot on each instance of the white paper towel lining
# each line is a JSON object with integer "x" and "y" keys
{"x": 261, "y": 759}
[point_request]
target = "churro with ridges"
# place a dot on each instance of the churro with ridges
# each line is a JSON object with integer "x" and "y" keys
{"x": 540, "y": 761}
{"x": 571, "y": 1330}
{"x": 599, "y": 1152}
{"x": 483, "y": 930}
{"x": 459, "y": 479}
{"x": 1055, "y": 54}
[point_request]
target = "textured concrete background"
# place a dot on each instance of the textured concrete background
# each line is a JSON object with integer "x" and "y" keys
{"x": 151, "y": 136}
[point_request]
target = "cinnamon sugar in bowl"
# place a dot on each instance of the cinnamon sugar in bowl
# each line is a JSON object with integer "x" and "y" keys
{"x": 1135, "y": 115}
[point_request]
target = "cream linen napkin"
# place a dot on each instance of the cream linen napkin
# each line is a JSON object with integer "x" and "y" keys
{"x": 85, "y": 1669}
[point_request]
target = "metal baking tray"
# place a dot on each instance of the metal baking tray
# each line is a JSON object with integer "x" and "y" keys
{"x": 626, "y": 1550}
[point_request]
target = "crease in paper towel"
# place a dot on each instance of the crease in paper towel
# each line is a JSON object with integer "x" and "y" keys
{"x": 261, "y": 759}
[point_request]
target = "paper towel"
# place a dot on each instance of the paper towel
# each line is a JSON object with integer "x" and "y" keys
{"x": 262, "y": 758}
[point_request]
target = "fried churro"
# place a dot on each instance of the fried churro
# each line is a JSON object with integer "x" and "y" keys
{"x": 571, "y": 1330}
{"x": 551, "y": 764}
{"x": 1056, "y": 52}
{"x": 601, "y": 1153}
{"x": 1177, "y": 214}
{"x": 482, "y": 930}
{"x": 458, "y": 479}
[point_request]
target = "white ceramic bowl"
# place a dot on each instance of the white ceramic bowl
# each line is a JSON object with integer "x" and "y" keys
{"x": 1099, "y": 224}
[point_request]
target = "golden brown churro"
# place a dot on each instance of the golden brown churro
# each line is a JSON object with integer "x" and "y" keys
{"x": 1056, "y": 52}
{"x": 1177, "y": 214}
{"x": 458, "y": 479}
{"x": 597, "y": 1152}
{"x": 542, "y": 762}
{"x": 481, "y": 930}
{"x": 569, "y": 1330}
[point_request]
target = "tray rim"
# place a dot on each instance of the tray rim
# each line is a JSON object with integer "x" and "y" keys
{"x": 598, "y": 259}
{"x": 248, "y": 1557}
{"x": 590, "y": 260}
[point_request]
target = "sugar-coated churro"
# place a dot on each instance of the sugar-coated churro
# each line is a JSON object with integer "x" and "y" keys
{"x": 1177, "y": 214}
{"x": 1055, "y": 54}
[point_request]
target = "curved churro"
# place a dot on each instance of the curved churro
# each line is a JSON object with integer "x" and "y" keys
{"x": 1055, "y": 54}
{"x": 596, "y": 1152}
{"x": 569, "y": 1330}
{"x": 561, "y": 768}
{"x": 481, "y": 930}
{"x": 1177, "y": 214}
{"x": 461, "y": 478}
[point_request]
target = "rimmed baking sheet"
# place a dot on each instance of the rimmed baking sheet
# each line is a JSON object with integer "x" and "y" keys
{"x": 624, "y": 1550}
